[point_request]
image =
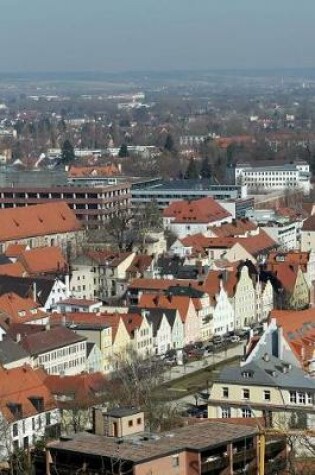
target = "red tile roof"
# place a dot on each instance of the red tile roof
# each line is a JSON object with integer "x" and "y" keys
{"x": 84, "y": 390}
{"x": 37, "y": 220}
{"x": 299, "y": 331}
{"x": 257, "y": 243}
{"x": 236, "y": 228}
{"x": 19, "y": 386}
{"x": 174, "y": 302}
{"x": 48, "y": 340}
{"x": 43, "y": 260}
{"x": 99, "y": 171}
{"x": 206, "y": 210}
{"x": 20, "y": 309}
{"x": 15, "y": 269}
{"x": 15, "y": 250}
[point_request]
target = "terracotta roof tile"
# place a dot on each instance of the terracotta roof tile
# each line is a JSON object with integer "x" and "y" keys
{"x": 19, "y": 386}
{"x": 20, "y": 309}
{"x": 15, "y": 250}
{"x": 205, "y": 210}
{"x": 37, "y": 220}
{"x": 15, "y": 269}
{"x": 43, "y": 260}
{"x": 47, "y": 340}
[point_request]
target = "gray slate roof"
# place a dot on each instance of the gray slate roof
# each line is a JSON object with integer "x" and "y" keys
{"x": 11, "y": 351}
{"x": 274, "y": 373}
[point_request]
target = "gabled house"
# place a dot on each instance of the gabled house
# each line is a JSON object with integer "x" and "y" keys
{"x": 162, "y": 332}
{"x": 58, "y": 350}
{"x": 268, "y": 387}
{"x": 45, "y": 291}
{"x": 293, "y": 290}
{"x": 191, "y": 217}
{"x": 289, "y": 335}
{"x": 28, "y": 411}
{"x": 49, "y": 224}
{"x": 186, "y": 308}
{"x": 140, "y": 331}
{"x": 22, "y": 310}
{"x": 222, "y": 314}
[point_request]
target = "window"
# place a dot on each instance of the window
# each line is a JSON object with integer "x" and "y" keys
{"x": 246, "y": 412}
{"x": 246, "y": 393}
{"x": 139, "y": 420}
{"x": 33, "y": 423}
{"x": 267, "y": 395}
{"x": 301, "y": 398}
{"x": 225, "y": 392}
{"x": 175, "y": 461}
{"x": 225, "y": 412}
{"x": 130, "y": 423}
{"x": 15, "y": 430}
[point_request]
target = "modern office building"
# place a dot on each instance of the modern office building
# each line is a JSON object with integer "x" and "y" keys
{"x": 164, "y": 192}
{"x": 274, "y": 177}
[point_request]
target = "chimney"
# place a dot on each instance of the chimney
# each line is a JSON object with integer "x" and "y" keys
{"x": 34, "y": 287}
{"x": 280, "y": 343}
{"x": 18, "y": 337}
{"x": 47, "y": 326}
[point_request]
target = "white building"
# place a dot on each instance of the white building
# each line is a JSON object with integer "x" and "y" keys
{"x": 28, "y": 411}
{"x": 274, "y": 177}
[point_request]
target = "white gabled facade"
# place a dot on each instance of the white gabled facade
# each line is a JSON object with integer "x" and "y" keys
{"x": 223, "y": 313}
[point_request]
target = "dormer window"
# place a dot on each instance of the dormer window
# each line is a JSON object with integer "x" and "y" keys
{"x": 22, "y": 313}
{"x": 38, "y": 403}
{"x": 15, "y": 409}
{"x": 34, "y": 311}
{"x": 247, "y": 374}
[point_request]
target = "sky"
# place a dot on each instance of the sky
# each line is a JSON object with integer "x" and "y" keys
{"x": 155, "y": 35}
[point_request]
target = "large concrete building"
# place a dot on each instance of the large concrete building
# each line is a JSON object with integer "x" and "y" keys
{"x": 268, "y": 177}
{"x": 91, "y": 204}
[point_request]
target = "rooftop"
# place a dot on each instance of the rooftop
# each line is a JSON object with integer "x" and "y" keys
{"x": 197, "y": 437}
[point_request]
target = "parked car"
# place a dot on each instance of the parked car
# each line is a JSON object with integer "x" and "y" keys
{"x": 235, "y": 339}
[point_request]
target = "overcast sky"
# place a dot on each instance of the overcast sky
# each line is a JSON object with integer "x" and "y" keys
{"x": 121, "y": 35}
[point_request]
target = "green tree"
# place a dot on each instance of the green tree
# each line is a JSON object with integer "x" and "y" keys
{"x": 192, "y": 170}
{"x": 123, "y": 151}
{"x": 205, "y": 171}
{"x": 67, "y": 152}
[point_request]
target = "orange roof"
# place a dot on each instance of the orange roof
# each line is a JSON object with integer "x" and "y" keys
{"x": 15, "y": 250}
{"x": 286, "y": 273}
{"x": 15, "y": 269}
{"x": 20, "y": 309}
{"x": 43, "y": 260}
{"x": 236, "y": 228}
{"x": 299, "y": 331}
{"x": 200, "y": 242}
{"x": 224, "y": 142}
{"x": 37, "y": 220}
{"x": 205, "y": 210}
{"x": 99, "y": 171}
{"x": 140, "y": 263}
{"x": 256, "y": 243}
{"x": 291, "y": 257}
{"x": 174, "y": 302}
{"x": 84, "y": 388}
{"x": 18, "y": 387}
{"x": 132, "y": 322}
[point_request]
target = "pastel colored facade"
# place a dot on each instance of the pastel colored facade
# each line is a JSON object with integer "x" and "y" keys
{"x": 113, "y": 279}
{"x": 141, "y": 334}
{"x": 223, "y": 313}
{"x": 264, "y": 300}
{"x": 300, "y": 296}
{"x": 244, "y": 300}
{"x": 162, "y": 336}
{"x": 282, "y": 405}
